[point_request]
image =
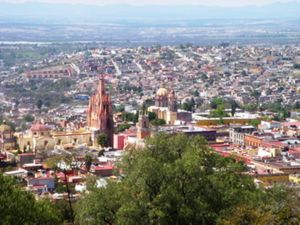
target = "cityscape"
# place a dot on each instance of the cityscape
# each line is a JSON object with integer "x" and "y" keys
{"x": 137, "y": 119}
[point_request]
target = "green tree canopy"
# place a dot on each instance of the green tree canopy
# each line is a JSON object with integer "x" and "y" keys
{"x": 196, "y": 93}
{"x": 39, "y": 104}
{"x": 215, "y": 102}
{"x": 219, "y": 112}
{"x": 123, "y": 127}
{"x": 102, "y": 140}
{"x": 254, "y": 122}
{"x": 88, "y": 162}
{"x": 19, "y": 207}
{"x": 28, "y": 118}
{"x": 233, "y": 105}
{"x": 130, "y": 117}
{"x": 181, "y": 181}
{"x": 152, "y": 116}
{"x": 158, "y": 122}
{"x": 189, "y": 105}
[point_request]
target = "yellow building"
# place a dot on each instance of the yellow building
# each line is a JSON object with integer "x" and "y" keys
{"x": 7, "y": 139}
{"x": 294, "y": 178}
{"x": 271, "y": 179}
{"x": 164, "y": 113}
{"x": 165, "y": 106}
{"x": 225, "y": 121}
{"x": 41, "y": 137}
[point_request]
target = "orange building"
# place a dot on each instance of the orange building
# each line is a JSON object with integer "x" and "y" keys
{"x": 100, "y": 113}
{"x": 252, "y": 140}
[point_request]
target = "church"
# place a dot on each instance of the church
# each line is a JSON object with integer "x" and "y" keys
{"x": 166, "y": 107}
{"x": 100, "y": 114}
{"x": 99, "y": 121}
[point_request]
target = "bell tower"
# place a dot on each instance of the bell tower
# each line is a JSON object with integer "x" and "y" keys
{"x": 100, "y": 113}
{"x": 143, "y": 127}
{"x": 172, "y": 102}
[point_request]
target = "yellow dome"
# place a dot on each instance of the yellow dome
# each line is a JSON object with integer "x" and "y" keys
{"x": 5, "y": 127}
{"x": 162, "y": 92}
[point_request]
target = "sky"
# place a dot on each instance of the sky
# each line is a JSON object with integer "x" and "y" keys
{"x": 160, "y": 2}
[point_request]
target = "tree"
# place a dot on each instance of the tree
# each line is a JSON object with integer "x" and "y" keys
{"x": 234, "y": 106}
{"x": 256, "y": 94}
{"x": 219, "y": 112}
{"x": 103, "y": 212}
{"x": 180, "y": 180}
{"x": 20, "y": 207}
{"x": 88, "y": 162}
{"x": 152, "y": 116}
{"x": 120, "y": 108}
{"x": 189, "y": 105}
{"x": 204, "y": 77}
{"x": 129, "y": 117}
{"x": 121, "y": 128}
{"x": 297, "y": 66}
{"x": 174, "y": 180}
{"x": 250, "y": 107}
{"x": 279, "y": 206}
{"x": 147, "y": 103}
{"x": 39, "y": 104}
{"x": 297, "y": 105}
{"x": 255, "y": 122}
{"x": 28, "y": 118}
{"x": 215, "y": 102}
{"x": 196, "y": 93}
{"x": 102, "y": 140}
{"x": 158, "y": 122}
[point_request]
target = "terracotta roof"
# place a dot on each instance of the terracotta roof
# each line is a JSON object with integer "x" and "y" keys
{"x": 287, "y": 124}
{"x": 39, "y": 127}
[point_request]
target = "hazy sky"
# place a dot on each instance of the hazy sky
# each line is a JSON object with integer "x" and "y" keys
{"x": 161, "y": 2}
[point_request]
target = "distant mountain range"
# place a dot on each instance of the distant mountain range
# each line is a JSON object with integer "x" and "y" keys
{"x": 68, "y": 13}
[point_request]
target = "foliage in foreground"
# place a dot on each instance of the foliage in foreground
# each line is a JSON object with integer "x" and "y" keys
{"x": 176, "y": 180}
{"x": 19, "y": 207}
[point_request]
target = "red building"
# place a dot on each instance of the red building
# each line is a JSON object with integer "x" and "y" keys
{"x": 100, "y": 113}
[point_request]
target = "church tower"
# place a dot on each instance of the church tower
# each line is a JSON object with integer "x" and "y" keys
{"x": 143, "y": 127}
{"x": 100, "y": 113}
{"x": 172, "y": 102}
{"x": 161, "y": 98}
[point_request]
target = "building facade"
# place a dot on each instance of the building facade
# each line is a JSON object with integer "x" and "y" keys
{"x": 166, "y": 107}
{"x": 237, "y": 134}
{"x": 100, "y": 113}
{"x": 143, "y": 127}
{"x": 7, "y": 139}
